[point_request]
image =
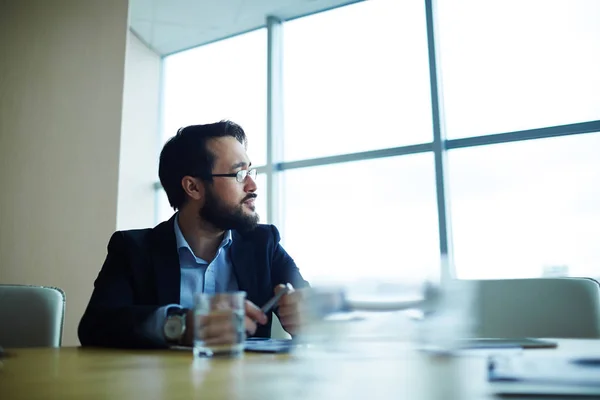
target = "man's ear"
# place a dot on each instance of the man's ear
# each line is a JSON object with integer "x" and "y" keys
{"x": 193, "y": 187}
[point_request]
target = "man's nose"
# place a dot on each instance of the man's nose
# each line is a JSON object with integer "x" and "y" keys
{"x": 249, "y": 184}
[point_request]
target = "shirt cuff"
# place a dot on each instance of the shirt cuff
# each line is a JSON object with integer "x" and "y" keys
{"x": 153, "y": 327}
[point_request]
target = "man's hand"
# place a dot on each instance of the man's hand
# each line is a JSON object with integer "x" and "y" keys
{"x": 219, "y": 327}
{"x": 254, "y": 315}
{"x": 289, "y": 310}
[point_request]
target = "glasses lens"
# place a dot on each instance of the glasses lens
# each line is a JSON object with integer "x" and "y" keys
{"x": 241, "y": 175}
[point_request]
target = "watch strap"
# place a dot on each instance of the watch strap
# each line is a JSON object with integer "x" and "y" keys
{"x": 176, "y": 311}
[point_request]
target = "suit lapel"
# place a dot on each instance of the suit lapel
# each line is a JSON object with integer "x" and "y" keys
{"x": 243, "y": 260}
{"x": 166, "y": 262}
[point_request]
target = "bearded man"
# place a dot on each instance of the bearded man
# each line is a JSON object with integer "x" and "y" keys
{"x": 143, "y": 295}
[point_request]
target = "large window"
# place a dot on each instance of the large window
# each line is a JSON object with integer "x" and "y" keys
{"x": 356, "y": 79}
{"x": 382, "y": 101}
{"x": 222, "y": 80}
{"x": 509, "y": 65}
{"x": 362, "y": 219}
{"x": 526, "y": 209}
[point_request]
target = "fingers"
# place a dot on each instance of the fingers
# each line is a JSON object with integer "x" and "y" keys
{"x": 225, "y": 326}
{"x": 280, "y": 287}
{"x": 217, "y": 331}
{"x": 227, "y": 338}
{"x": 250, "y": 326}
{"x": 289, "y": 309}
{"x": 291, "y": 323}
{"x": 288, "y": 299}
{"x": 217, "y": 325}
{"x": 254, "y": 313}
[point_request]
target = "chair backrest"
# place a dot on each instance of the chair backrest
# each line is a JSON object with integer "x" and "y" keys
{"x": 545, "y": 307}
{"x": 31, "y": 316}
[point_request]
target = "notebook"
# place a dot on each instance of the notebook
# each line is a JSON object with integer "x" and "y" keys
{"x": 256, "y": 345}
{"x": 531, "y": 374}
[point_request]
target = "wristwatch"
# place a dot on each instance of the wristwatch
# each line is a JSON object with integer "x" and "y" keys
{"x": 174, "y": 327}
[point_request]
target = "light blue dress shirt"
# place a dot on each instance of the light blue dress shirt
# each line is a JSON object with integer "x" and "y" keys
{"x": 197, "y": 275}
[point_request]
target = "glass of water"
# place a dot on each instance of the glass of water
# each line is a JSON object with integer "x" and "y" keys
{"x": 219, "y": 327}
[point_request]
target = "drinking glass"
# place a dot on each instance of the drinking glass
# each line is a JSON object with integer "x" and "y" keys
{"x": 219, "y": 328}
{"x": 425, "y": 306}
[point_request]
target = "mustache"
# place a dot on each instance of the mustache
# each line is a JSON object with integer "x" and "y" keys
{"x": 249, "y": 196}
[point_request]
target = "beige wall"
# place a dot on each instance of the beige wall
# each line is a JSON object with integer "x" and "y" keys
{"x": 61, "y": 87}
{"x": 138, "y": 169}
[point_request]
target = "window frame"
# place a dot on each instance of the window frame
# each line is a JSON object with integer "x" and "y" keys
{"x": 439, "y": 146}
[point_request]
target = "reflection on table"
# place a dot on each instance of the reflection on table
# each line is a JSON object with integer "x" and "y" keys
{"x": 366, "y": 370}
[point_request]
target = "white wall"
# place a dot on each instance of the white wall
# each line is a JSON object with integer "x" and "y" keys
{"x": 138, "y": 169}
{"x": 61, "y": 91}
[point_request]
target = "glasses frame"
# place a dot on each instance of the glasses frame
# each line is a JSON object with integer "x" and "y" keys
{"x": 240, "y": 176}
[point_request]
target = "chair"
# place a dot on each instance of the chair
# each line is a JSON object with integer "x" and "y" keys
{"x": 31, "y": 316}
{"x": 545, "y": 307}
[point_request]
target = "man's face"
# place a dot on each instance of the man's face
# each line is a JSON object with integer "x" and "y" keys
{"x": 229, "y": 204}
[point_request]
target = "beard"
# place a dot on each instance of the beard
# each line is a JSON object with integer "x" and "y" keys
{"x": 225, "y": 217}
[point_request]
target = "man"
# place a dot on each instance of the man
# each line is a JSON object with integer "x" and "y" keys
{"x": 144, "y": 292}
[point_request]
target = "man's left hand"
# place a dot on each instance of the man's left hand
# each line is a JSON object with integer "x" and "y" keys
{"x": 289, "y": 310}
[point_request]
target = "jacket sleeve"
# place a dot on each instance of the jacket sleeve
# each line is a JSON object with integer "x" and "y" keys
{"x": 111, "y": 318}
{"x": 283, "y": 267}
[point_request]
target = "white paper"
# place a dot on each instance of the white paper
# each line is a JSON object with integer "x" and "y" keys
{"x": 531, "y": 368}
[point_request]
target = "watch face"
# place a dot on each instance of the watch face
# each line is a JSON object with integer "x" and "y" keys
{"x": 174, "y": 328}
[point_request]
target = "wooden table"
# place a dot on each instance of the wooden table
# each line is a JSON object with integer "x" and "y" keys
{"x": 377, "y": 371}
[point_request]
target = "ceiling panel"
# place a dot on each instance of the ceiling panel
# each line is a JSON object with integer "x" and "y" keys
{"x": 169, "y": 26}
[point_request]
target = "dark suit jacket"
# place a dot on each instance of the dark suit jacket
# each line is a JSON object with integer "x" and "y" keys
{"x": 141, "y": 273}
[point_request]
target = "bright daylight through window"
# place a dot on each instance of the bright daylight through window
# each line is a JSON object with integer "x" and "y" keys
{"x": 529, "y": 208}
{"x": 378, "y": 215}
{"x": 361, "y": 86}
{"x": 525, "y": 209}
{"x": 509, "y": 65}
{"x": 357, "y": 79}
{"x": 222, "y": 80}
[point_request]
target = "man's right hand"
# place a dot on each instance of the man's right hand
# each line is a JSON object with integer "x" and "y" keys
{"x": 253, "y": 316}
{"x": 219, "y": 328}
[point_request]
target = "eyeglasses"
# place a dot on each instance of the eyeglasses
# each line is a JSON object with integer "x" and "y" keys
{"x": 241, "y": 175}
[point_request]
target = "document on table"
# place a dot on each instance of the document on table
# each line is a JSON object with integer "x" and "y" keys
{"x": 545, "y": 375}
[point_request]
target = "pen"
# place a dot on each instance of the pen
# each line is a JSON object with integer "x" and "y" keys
{"x": 271, "y": 303}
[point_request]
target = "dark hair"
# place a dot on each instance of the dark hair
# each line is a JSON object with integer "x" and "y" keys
{"x": 186, "y": 154}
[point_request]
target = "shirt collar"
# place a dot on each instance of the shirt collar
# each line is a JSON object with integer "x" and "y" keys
{"x": 183, "y": 244}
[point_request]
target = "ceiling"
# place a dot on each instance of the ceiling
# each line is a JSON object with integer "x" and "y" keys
{"x": 169, "y": 26}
